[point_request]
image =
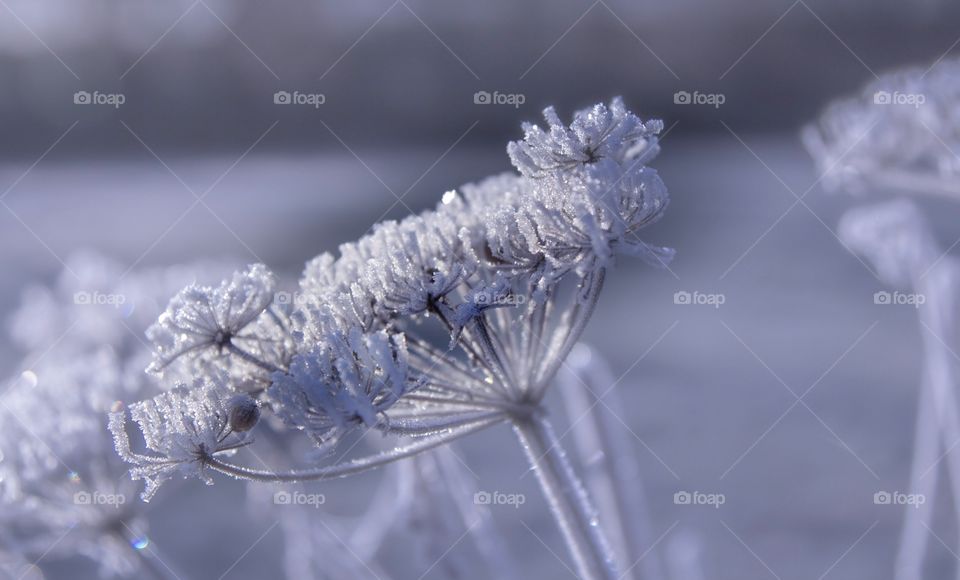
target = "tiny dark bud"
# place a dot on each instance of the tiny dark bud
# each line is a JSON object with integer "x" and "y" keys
{"x": 244, "y": 413}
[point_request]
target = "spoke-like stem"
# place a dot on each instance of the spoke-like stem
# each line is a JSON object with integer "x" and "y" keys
{"x": 582, "y": 314}
{"x": 423, "y": 424}
{"x": 571, "y": 506}
{"x": 350, "y": 467}
{"x": 234, "y": 349}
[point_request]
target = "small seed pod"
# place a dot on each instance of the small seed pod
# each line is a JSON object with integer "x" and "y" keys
{"x": 244, "y": 413}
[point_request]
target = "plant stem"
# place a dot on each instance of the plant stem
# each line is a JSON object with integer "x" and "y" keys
{"x": 270, "y": 368}
{"x": 571, "y": 506}
{"x": 350, "y": 467}
{"x": 611, "y": 471}
{"x": 581, "y": 315}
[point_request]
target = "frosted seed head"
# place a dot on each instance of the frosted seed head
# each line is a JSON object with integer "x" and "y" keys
{"x": 204, "y": 329}
{"x": 599, "y": 132}
{"x": 343, "y": 383}
{"x": 182, "y": 429}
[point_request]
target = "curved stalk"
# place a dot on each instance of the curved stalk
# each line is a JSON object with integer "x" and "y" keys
{"x": 571, "y": 506}
{"x": 349, "y": 467}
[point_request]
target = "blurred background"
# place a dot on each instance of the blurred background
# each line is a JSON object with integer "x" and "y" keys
{"x": 159, "y": 133}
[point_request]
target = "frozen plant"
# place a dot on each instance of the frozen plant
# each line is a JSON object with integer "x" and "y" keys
{"x": 63, "y": 490}
{"x": 430, "y": 328}
{"x": 899, "y": 135}
{"x": 896, "y": 239}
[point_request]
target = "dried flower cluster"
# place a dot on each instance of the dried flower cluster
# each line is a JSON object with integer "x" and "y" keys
{"x": 509, "y": 269}
{"x": 63, "y": 489}
{"x": 432, "y": 327}
{"x": 899, "y": 134}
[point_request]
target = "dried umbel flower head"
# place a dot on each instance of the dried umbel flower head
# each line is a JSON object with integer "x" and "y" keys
{"x": 595, "y": 134}
{"x": 63, "y": 490}
{"x": 432, "y": 327}
{"x": 350, "y": 381}
{"x": 509, "y": 268}
{"x": 591, "y": 190}
{"x": 235, "y": 328}
{"x": 899, "y": 134}
{"x": 183, "y": 428}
